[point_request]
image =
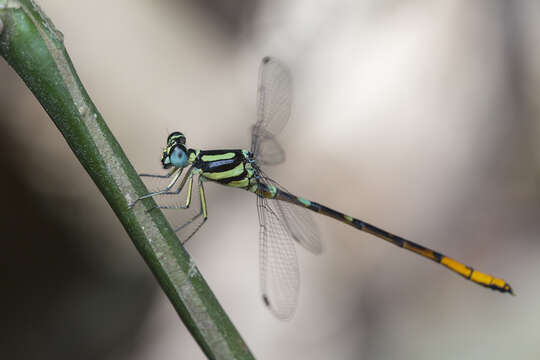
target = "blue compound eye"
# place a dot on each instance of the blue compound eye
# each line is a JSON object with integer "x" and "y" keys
{"x": 178, "y": 157}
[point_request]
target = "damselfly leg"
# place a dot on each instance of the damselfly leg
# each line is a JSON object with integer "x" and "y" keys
{"x": 203, "y": 212}
{"x": 189, "y": 178}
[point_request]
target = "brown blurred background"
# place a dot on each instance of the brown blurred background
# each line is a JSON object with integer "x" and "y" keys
{"x": 419, "y": 117}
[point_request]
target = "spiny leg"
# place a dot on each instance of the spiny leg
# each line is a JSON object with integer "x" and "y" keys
{"x": 160, "y": 176}
{"x": 177, "y": 172}
{"x": 188, "y": 195}
{"x": 202, "y": 213}
{"x": 166, "y": 191}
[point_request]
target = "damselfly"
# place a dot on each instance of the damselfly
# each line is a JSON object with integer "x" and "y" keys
{"x": 282, "y": 215}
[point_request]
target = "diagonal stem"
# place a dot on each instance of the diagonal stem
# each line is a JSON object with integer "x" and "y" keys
{"x": 33, "y": 47}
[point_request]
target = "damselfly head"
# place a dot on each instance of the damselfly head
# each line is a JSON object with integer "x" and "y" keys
{"x": 175, "y": 154}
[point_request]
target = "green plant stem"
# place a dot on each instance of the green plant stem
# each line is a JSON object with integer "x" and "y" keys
{"x": 34, "y": 49}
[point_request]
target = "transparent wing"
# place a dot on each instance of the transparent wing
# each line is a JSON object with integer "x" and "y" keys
{"x": 299, "y": 222}
{"x": 274, "y": 99}
{"x": 279, "y": 267}
{"x": 270, "y": 151}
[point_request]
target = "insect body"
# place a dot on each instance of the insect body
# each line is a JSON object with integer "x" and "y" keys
{"x": 282, "y": 215}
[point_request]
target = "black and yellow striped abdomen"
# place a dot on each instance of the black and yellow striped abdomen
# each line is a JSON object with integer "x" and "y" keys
{"x": 457, "y": 267}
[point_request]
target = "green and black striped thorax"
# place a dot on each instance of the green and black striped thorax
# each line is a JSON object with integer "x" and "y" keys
{"x": 236, "y": 168}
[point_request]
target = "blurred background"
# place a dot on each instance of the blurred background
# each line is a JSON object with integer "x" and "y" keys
{"x": 418, "y": 117}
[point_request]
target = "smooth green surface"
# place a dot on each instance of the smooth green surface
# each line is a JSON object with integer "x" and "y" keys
{"x": 34, "y": 49}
